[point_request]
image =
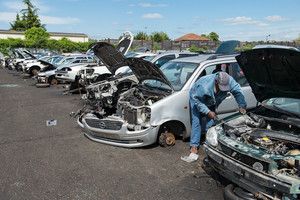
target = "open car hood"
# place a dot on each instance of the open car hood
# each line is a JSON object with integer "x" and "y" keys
{"x": 272, "y": 72}
{"x": 114, "y": 59}
{"x": 112, "y": 56}
{"x": 145, "y": 70}
{"x": 228, "y": 47}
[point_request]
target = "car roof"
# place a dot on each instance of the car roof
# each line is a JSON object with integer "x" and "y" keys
{"x": 203, "y": 57}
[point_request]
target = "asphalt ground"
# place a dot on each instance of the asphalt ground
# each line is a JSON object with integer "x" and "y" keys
{"x": 59, "y": 162}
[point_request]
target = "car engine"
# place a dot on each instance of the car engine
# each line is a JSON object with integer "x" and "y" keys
{"x": 276, "y": 136}
{"x": 134, "y": 106}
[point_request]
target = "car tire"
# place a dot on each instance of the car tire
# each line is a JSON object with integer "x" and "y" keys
{"x": 34, "y": 71}
{"x": 236, "y": 193}
{"x": 53, "y": 81}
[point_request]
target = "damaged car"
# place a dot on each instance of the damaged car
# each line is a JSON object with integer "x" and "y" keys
{"x": 259, "y": 152}
{"x": 95, "y": 73}
{"x": 157, "y": 109}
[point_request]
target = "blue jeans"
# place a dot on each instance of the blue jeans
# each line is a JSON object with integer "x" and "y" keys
{"x": 200, "y": 123}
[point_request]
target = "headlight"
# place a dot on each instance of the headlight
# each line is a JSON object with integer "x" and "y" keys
{"x": 212, "y": 136}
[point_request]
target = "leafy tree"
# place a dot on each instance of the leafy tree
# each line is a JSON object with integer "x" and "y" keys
{"x": 29, "y": 18}
{"x": 36, "y": 37}
{"x": 204, "y": 35}
{"x": 244, "y": 47}
{"x": 213, "y": 36}
{"x": 141, "y": 36}
{"x": 159, "y": 36}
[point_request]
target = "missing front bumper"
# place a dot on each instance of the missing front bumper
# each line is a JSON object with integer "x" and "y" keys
{"x": 248, "y": 178}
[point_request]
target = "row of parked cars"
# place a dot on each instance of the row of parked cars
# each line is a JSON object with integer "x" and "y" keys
{"x": 139, "y": 99}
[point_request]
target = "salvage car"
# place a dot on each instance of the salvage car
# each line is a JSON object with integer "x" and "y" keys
{"x": 47, "y": 75}
{"x": 158, "y": 108}
{"x": 103, "y": 95}
{"x": 260, "y": 151}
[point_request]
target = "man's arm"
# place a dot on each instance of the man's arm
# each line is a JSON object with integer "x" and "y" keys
{"x": 236, "y": 91}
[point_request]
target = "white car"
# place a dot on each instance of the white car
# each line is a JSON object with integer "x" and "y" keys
{"x": 47, "y": 75}
{"x": 69, "y": 73}
{"x": 34, "y": 67}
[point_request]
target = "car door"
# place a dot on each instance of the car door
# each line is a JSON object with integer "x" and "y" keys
{"x": 229, "y": 105}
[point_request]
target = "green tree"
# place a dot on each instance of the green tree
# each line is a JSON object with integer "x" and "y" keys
{"x": 36, "y": 37}
{"x": 213, "y": 36}
{"x": 18, "y": 24}
{"x": 159, "y": 36}
{"x": 141, "y": 36}
{"x": 29, "y": 18}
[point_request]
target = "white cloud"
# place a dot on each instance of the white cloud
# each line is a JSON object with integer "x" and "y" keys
{"x": 7, "y": 16}
{"x": 152, "y": 16}
{"x": 14, "y": 5}
{"x": 58, "y": 20}
{"x": 150, "y": 5}
{"x": 274, "y": 18}
{"x": 243, "y": 20}
{"x": 19, "y": 5}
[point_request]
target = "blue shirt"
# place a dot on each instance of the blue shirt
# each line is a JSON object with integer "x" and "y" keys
{"x": 202, "y": 93}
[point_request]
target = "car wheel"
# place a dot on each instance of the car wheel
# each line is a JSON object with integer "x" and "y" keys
{"x": 166, "y": 139}
{"x": 34, "y": 71}
{"x": 236, "y": 193}
{"x": 53, "y": 81}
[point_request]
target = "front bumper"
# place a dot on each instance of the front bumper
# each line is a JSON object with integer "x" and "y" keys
{"x": 248, "y": 178}
{"x": 42, "y": 81}
{"x": 122, "y": 137}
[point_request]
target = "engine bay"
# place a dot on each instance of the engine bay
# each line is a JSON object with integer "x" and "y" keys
{"x": 278, "y": 136}
{"x": 141, "y": 96}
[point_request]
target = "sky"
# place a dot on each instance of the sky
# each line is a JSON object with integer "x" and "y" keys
{"x": 243, "y": 20}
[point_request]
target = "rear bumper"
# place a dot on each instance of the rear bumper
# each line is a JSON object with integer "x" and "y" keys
{"x": 248, "y": 178}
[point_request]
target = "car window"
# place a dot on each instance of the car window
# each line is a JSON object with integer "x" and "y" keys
{"x": 83, "y": 61}
{"x": 162, "y": 60}
{"x": 76, "y": 61}
{"x": 207, "y": 71}
{"x": 178, "y": 73}
{"x": 236, "y": 72}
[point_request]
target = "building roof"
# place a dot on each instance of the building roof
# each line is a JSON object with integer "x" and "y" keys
{"x": 51, "y": 33}
{"x": 191, "y": 37}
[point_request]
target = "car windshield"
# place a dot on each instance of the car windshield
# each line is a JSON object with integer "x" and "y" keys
{"x": 178, "y": 73}
{"x": 148, "y": 58}
{"x": 288, "y": 105}
{"x": 131, "y": 55}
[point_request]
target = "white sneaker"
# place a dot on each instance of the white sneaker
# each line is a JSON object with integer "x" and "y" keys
{"x": 191, "y": 158}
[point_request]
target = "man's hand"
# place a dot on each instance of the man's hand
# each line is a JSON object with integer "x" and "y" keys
{"x": 242, "y": 110}
{"x": 212, "y": 115}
